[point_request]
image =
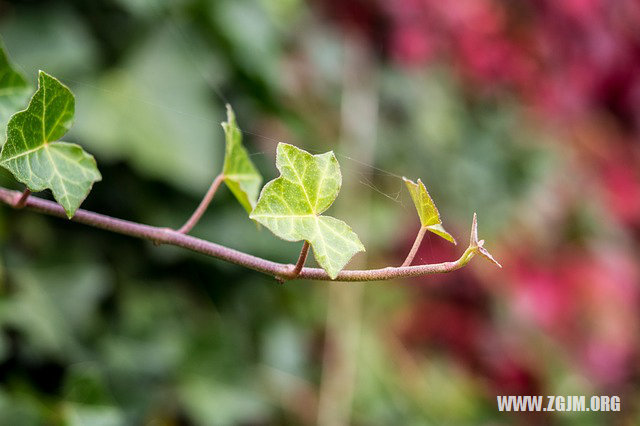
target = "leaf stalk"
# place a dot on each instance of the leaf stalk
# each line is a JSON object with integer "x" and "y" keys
{"x": 204, "y": 204}
{"x": 415, "y": 247}
{"x": 22, "y": 201}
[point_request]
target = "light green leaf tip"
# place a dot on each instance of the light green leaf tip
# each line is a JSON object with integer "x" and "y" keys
{"x": 240, "y": 175}
{"x": 427, "y": 211}
{"x": 291, "y": 206}
{"x": 36, "y": 159}
{"x": 14, "y": 90}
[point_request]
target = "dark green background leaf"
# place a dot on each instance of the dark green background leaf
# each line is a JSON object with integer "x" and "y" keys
{"x": 14, "y": 90}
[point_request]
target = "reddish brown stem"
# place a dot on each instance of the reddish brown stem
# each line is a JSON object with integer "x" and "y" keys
{"x": 301, "y": 259}
{"x": 415, "y": 247}
{"x": 168, "y": 236}
{"x": 22, "y": 201}
{"x": 204, "y": 204}
{"x": 298, "y": 266}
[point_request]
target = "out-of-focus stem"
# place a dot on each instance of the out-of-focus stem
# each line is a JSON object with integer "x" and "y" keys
{"x": 359, "y": 123}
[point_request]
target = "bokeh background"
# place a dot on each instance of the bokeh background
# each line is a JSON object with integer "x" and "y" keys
{"x": 527, "y": 112}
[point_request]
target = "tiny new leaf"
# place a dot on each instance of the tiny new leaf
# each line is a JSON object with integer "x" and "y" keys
{"x": 240, "y": 175}
{"x": 429, "y": 215}
{"x": 478, "y": 246}
{"x": 14, "y": 90}
{"x": 36, "y": 159}
{"x": 291, "y": 206}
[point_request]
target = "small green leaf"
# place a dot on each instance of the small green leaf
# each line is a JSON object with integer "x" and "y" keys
{"x": 429, "y": 215}
{"x": 36, "y": 159}
{"x": 290, "y": 206}
{"x": 240, "y": 175}
{"x": 14, "y": 90}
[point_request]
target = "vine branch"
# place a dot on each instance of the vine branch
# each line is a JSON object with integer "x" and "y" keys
{"x": 275, "y": 269}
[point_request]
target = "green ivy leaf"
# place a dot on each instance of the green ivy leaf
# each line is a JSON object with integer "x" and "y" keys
{"x": 429, "y": 215}
{"x": 14, "y": 90}
{"x": 240, "y": 175}
{"x": 290, "y": 206}
{"x": 36, "y": 159}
